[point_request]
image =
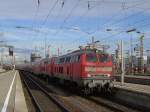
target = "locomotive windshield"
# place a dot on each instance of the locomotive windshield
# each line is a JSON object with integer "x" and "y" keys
{"x": 104, "y": 58}
{"x": 91, "y": 57}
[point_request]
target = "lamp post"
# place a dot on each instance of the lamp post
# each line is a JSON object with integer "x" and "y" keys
{"x": 141, "y": 52}
{"x": 48, "y": 52}
{"x": 131, "y": 47}
{"x": 122, "y": 56}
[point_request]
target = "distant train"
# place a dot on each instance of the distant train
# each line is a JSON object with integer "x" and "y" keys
{"x": 88, "y": 69}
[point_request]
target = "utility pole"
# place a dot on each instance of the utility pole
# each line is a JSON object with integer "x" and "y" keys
{"x": 58, "y": 51}
{"x": 122, "y": 63}
{"x": 45, "y": 46}
{"x": 14, "y": 62}
{"x": 141, "y": 54}
{"x": 93, "y": 44}
{"x": 48, "y": 51}
{"x": 2, "y": 57}
{"x": 92, "y": 39}
{"x": 131, "y": 58}
{"x": 117, "y": 58}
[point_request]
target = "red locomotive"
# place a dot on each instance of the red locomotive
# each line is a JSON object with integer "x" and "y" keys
{"x": 87, "y": 69}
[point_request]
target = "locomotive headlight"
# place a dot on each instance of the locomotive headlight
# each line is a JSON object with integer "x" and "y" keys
{"x": 88, "y": 75}
{"x": 108, "y": 75}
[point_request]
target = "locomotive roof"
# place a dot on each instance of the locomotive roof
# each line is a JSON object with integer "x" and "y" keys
{"x": 76, "y": 52}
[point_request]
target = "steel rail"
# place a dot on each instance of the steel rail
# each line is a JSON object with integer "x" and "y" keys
{"x": 51, "y": 97}
{"x": 36, "y": 104}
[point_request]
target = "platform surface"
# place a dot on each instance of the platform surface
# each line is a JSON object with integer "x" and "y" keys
{"x": 135, "y": 76}
{"x": 2, "y": 70}
{"x": 10, "y": 91}
{"x": 133, "y": 87}
{"x": 20, "y": 103}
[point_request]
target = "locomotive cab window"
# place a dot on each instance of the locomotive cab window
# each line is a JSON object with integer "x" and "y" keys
{"x": 104, "y": 58}
{"x": 91, "y": 57}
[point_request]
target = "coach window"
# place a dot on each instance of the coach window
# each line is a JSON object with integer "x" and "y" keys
{"x": 55, "y": 69}
{"x": 49, "y": 61}
{"x": 45, "y": 62}
{"x": 60, "y": 69}
{"x": 57, "y": 61}
{"x": 78, "y": 58}
{"x": 68, "y": 59}
{"x": 62, "y": 60}
{"x": 72, "y": 58}
{"x": 67, "y": 70}
{"x": 104, "y": 58}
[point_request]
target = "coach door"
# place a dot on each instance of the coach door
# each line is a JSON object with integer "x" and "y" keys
{"x": 76, "y": 67}
{"x": 71, "y": 68}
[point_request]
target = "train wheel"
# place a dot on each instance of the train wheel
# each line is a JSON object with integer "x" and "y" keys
{"x": 86, "y": 91}
{"x": 47, "y": 79}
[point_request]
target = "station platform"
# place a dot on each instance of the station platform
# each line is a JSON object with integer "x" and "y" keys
{"x": 2, "y": 70}
{"x": 136, "y": 79}
{"x": 135, "y": 95}
{"x": 11, "y": 93}
{"x": 136, "y": 76}
{"x": 144, "y": 89}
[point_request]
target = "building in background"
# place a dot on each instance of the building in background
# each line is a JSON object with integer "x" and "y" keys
{"x": 34, "y": 57}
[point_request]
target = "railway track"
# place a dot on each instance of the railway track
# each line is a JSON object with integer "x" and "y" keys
{"x": 43, "y": 101}
{"x": 84, "y": 104}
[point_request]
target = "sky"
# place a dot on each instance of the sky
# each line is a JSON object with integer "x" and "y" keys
{"x": 67, "y": 24}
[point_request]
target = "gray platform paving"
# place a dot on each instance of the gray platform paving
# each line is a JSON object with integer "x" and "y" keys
{"x": 135, "y": 76}
{"x": 2, "y": 70}
{"x": 6, "y": 80}
{"x": 20, "y": 103}
{"x": 133, "y": 87}
{"x": 10, "y": 89}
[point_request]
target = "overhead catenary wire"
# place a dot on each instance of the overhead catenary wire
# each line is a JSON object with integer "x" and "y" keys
{"x": 60, "y": 10}
{"x": 67, "y": 17}
{"x": 125, "y": 8}
{"x": 45, "y": 20}
{"x": 120, "y": 20}
{"x": 107, "y": 24}
{"x": 113, "y": 35}
{"x": 49, "y": 13}
{"x": 85, "y": 14}
{"x": 64, "y": 20}
{"x": 135, "y": 23}
{"x": 109, "y": 37}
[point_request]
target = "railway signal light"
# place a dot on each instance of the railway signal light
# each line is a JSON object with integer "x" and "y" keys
{"x": 10, "y": 51}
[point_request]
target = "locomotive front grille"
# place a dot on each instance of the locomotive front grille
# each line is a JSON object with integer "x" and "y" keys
{"x": 90, "y": 69}
{"x": 107, "y": 69}
{"x": 94, "y": 69}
